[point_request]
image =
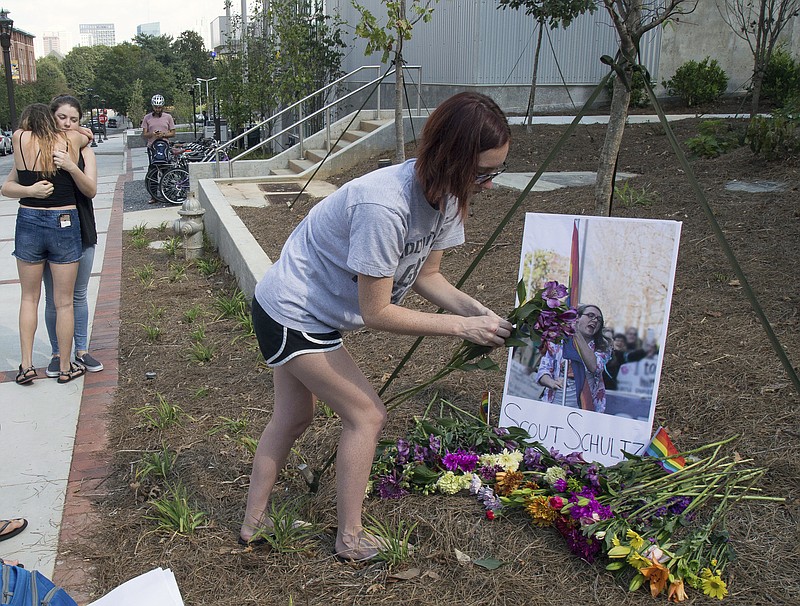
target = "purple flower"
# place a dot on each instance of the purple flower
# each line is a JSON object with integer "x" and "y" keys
{"x": 532, "y": 459}
{"x": 489, "y": 499}
{"x": 403, "y": 451}
{"x": 488, "y": 472}
{"x": 389, "y": 487}
{"x": 460, "y": 460}
{"x": 500, "y": 431}
{"x": 420, "y": 453}
{"x": 591, "y": 473}
{"x": 552, "y": 292}
{"x": 435, "y": 443}
{"x": 560, "y": 485}
{"x": 677, "y": 505}
{"x": 592, "y": 511}
{"x": 574, "y": 458}
{"x": 582, "y": 546}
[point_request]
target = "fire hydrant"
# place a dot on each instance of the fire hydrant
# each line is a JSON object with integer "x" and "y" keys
{"x": 190, "y": 226}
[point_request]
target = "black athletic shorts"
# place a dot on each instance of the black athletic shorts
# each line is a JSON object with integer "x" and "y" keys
{"x": 280, "y": 344}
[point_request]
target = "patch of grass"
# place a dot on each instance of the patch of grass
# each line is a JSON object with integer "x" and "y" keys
{"x": 162, "y": 228}
{"x": 177, "y": 272}
{"x": 158, "y": 464}
{"x": 231, "y": 306}
{"x": 161, "y": 415}
{"x": 156, "y": 312}
{"x": 199, "y": 333}
{"x": 228, "y": 425}
{"x": 172, "y": 245}
{"x": 145, "y": 273}
{"x": 208, "y": 245}
{"x": 721, "y": 277}
{"x": 208, "y": 267}
{"x": 152, "y": 332}
{"x": 172, "y": 512}
{"x": 201, "y": 353}
{"x": 245, "y": 321}
{"x": 289, "y": 533}
{"x": 629, "y": 195}
{"x": 398, "y": 539}
{"x": 139, "y": 242}
{"x": 191, "y": 314}
{"x": 250, "y": 444}
{"x": 202, "y": 392}
{"x": 138, "y": 230}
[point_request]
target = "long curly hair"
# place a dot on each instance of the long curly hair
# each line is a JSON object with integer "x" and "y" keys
{"x": 39, "y": 121}
{"x": 456, "y": 132}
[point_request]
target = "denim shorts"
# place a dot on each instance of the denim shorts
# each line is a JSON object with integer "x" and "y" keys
{"x": 280, "y": 344}
{"x": 47, "y": 235}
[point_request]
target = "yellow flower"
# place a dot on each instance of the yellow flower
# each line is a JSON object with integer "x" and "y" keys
{"x": 714, "y": 586}
{"x": 638, "y": 561}
{"x": 507, "y": 482}
{"x": 676, "y": 592}
{"x": 539, "y": 509}
{"x": 636, "y": 541}
{"x": 657, "y": 574}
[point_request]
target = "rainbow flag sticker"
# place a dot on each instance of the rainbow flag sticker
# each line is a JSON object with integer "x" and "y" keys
{"x": 662, "y": 447}
{"x": 486, "y": 403}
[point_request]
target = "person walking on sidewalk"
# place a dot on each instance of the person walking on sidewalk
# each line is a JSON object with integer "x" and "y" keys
{"x": 349, "y": 264}
{"x": 47, "y": 229}
{"x": 67, "y": 112}
{"x": 157, "y": 127}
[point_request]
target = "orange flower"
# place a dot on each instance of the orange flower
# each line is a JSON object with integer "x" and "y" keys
{"x": 658, "y": 575}
{"x": 676, "y": 591}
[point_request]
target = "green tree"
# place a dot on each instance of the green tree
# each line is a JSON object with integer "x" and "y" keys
{"x": 760, "y": 24}
{"x": 191, "y": 54}
{"x": 80, "y": 67}
{"x": 389, "y": 39}
{"x": 159, "y": 47}
{"x": 50, "y": 81}
{"x": 134, "y": 107}
{"x": 125, "y": 63}
{"x": 554, "y": 13}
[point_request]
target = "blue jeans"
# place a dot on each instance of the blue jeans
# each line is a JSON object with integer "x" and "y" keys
{"x": 42, "y": 234}
{"x": 80, "y": 303}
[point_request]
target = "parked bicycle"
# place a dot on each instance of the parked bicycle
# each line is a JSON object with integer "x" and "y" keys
{"x": 167, "y": 178}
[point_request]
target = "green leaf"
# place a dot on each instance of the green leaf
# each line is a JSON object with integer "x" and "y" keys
{"x": 488, "y": 563}
{"x": 616, "y": 565}
{"x": 636, "y": 582}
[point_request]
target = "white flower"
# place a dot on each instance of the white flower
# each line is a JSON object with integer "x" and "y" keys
{"x": 475, "y": 484}
{"x": 553, "y": 474}
{"x": 510, "y": 461}
{"x": 450, "y": 483}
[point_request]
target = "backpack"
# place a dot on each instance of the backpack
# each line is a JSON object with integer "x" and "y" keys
{"x": 23, "y": 588}
{"x": 159, "y": 152}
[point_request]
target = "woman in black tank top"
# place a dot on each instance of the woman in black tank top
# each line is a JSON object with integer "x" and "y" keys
{"x": 47, "y": 229}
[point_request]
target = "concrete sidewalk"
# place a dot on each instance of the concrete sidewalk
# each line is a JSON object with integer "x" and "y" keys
{"x": 38, "y": 422}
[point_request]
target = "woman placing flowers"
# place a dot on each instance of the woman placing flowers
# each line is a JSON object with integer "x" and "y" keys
{"x": 349, "y": 264}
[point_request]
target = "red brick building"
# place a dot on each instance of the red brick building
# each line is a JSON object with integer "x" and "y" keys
{"x": 22, "y": 55}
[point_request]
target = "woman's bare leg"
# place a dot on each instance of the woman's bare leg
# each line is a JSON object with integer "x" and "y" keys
{"x": 63, "y": 289}
{"x": 30, "y": 280}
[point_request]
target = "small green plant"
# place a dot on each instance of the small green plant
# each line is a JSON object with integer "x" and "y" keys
{"x": 781, "y": 77}
{"x": 245, "y": 321}
{"x": 202, "y": 353}
{"x": 397, "y": 539}
{"x": 716, "y": 138}
{"x": 249, "y": 444}
{"x": 698, "y": 82}
{"x": 162, "y": 227}
{"x": 156, "y": 312}
{"x": 231, "y": 306}
{"x": 208, "y": 245}
{"x": 152, "y": 332}
{"x": 721, "y": 277}
{"x": 158, "y": 464}
{"x": 177, "y": 272}
{"x": 201, "y": 392}
{"x": 172, "y": 512}
{"x": 172, "y": 245}
{"x": 629, "y": 195}
{"x": 145, "y": 273}
{"x": 198, "y": 334}
{"x": 138, "y": 230}
{"x": 191, "y": 314}
{"x": 139, "y": 242}
{"x": 228, "y": 425}
{"x": 208, "y": 267}
{"x": 161, "y": 415}
{"x": 327, "y": 410}
{"x": 288, "y": 534}
{"x": 776, "y": 137}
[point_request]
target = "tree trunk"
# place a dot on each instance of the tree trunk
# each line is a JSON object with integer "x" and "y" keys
{"x": 534, "y": 78}
{"x": 604, "y": 186}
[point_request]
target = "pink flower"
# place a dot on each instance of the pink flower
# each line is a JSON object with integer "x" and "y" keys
{"x": 556, "y": 503}
{"x": 489, "y": 514}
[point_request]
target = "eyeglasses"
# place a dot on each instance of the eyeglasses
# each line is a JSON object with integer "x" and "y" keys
{"x": 481, "y": 179}
{"x": 593, "y": 316}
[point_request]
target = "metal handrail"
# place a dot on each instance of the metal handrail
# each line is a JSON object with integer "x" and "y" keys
{"x": 303, "y": 119}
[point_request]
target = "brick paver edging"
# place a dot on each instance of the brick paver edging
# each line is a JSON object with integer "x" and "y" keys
{"x": 90, "y": 457}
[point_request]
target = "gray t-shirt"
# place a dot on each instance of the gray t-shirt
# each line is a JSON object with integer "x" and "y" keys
{"x": 379, "y": 225}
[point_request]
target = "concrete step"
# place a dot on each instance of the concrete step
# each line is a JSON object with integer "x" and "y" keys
{"x": 371, "y": 125}
{"x": 341, "y": 145}
{"x": 299, "y": 166}
{"x": 316, "y": 155}
{"x": 282, "y": 171}
{"x": 354, "y": 135}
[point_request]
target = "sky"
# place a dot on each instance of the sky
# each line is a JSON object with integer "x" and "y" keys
{"x": 44, "y": 16}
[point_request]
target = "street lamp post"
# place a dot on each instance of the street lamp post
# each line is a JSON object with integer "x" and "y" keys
{"x": 194, "y": 110}
{"x": 95, "y": 102}
{"x": 208, "y": 98}
{"x": 6, "y": 28}
{"x": 89, "y": 91}
{"x": 105, "y": 119}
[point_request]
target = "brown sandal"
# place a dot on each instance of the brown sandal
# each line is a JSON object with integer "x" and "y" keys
{"x": 74, "y": 372}
{"x": 24, "y": 377}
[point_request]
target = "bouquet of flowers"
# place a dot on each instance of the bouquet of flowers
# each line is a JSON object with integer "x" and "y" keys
{"x": 654, "y": 527}
{"x": 542, "y": 318}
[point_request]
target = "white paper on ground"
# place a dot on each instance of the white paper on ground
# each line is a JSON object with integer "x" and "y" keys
{"x": 155, "y": 588}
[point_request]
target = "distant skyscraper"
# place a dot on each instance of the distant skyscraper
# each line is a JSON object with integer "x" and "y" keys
{"x": 51, "y": 42}
{"x": 149, "y": 29}
{"x": 96, "y": 34}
